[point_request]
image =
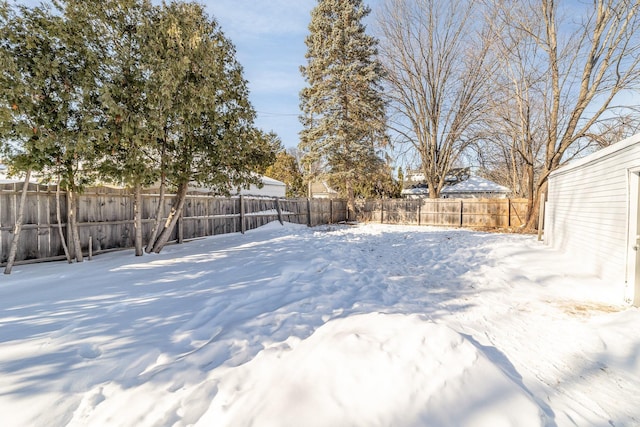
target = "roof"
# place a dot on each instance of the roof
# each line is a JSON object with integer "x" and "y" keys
{"x": 600, "y": 154}
{"x": 270, "y": 181}
{"x": 321, "y": 187}
{"x": 472, "y": 185}
{"x": 475, "y": 184}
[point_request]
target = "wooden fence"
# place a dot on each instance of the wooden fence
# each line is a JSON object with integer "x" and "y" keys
{"x": 105, "y": 218}
{"x": 472, "y": 213}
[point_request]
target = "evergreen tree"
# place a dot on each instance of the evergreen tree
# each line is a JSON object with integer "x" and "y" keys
{"x": 132, "y": 127}
{"x": 7, "y": 64}
{"x": 49, "y": 89}
{"x": 287, "y": 170}
{"x": 380, "y": 184}
{"x": 128, "y": 90}
{"x": 210, "y": 137}
{"x": 343, "y": 108}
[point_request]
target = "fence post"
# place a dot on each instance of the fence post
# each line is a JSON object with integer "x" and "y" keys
{"x": 243, "y": 226}
{"x": 509, "y": 212}
{"x": 330, "y": 211}
{"x": 381, "y": 211}
{"x": 541, "y": 216}
{"x": 461, "y": 214}
{"x": 308, "y": 212}
{"x": 279, "y": 211}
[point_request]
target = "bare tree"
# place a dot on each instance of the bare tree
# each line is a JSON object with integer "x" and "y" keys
{"x": 589, "y": 56}
{"x": 437, "y": 60}
{"x": 511, "y": 148}
{"x": 616, "y": 128}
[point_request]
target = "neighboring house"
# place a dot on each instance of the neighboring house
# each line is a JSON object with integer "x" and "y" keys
{"x": 465, "y": 187}
{"x": 475, "y": 187}
{"x": 593, "y": 211}
{"x": 455, "y": 175}
{"x": 321, "y": 190}
{"x": 270, "y": 188}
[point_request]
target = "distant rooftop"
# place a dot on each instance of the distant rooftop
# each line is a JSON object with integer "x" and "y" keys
{"x": 471, "y": 185}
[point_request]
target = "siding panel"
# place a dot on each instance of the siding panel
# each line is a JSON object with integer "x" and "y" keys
{"x": 587, "y": 208}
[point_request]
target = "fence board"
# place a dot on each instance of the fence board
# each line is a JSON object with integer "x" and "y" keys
{"x": 105, "y": 216}
{"x": 472, "y": 213}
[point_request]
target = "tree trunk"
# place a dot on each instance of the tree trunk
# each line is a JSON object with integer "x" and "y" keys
{"x": 137, "y": 215}
{"x": 174, "y": 215}
{"x": 351, "y": 201}
{"x": 534, "y": 210}
{"x": 158, "y": 217}
{"x": 433, "y": 193}
{"x": 73, "y": 225}
{"x": 18, "y": 225}
{"x": 63, "y": 240}
{"x": 531, "y": 194}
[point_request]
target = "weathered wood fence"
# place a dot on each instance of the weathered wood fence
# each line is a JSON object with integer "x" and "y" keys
{"x": 472, "y": 213}
{"x": 105, "y": 218}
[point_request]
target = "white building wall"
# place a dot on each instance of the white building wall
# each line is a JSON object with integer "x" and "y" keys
{"x": 588, "y": 209}
{"x": 267, "y": 190}
{"x": 270, "y": 188}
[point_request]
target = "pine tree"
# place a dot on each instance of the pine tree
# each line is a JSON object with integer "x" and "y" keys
{"x": 380, "y": 184}
{"x": 343, "y": 108}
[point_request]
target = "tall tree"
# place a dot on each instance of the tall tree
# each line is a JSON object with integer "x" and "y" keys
{"x": 49, "y": 89}
{"x": 589, "y": 56}
{"x": 343, "y": 108}
{"x": 210, "y": 139}
{"x": 380, "y": 183}
{"x": 437, "y": 61}
{"x": 132, "y": 127}
{"x": 511, "y": 148}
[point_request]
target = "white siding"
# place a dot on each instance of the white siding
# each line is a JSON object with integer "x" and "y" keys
{"x": 587, "y": 208}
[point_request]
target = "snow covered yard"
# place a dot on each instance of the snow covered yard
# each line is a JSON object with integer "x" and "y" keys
{"x": 330, "y": 326}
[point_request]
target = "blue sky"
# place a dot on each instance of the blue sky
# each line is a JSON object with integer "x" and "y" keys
{"x": 269, "y": 38}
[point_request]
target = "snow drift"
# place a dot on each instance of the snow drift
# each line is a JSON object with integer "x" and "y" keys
{"x": 373, "y": 370}
{"x": 351, "y": 326}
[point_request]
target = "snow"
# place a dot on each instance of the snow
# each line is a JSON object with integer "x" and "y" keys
{"x": 369, "y": 325}
{"x": 475, "y": 184}
{"x": 471, "y": 185}
{"x": 268, "y": 212}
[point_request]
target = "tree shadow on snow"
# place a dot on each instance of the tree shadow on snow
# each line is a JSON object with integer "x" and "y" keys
{"x": 220, "y": 301}
{"x": 499, "y": 359}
